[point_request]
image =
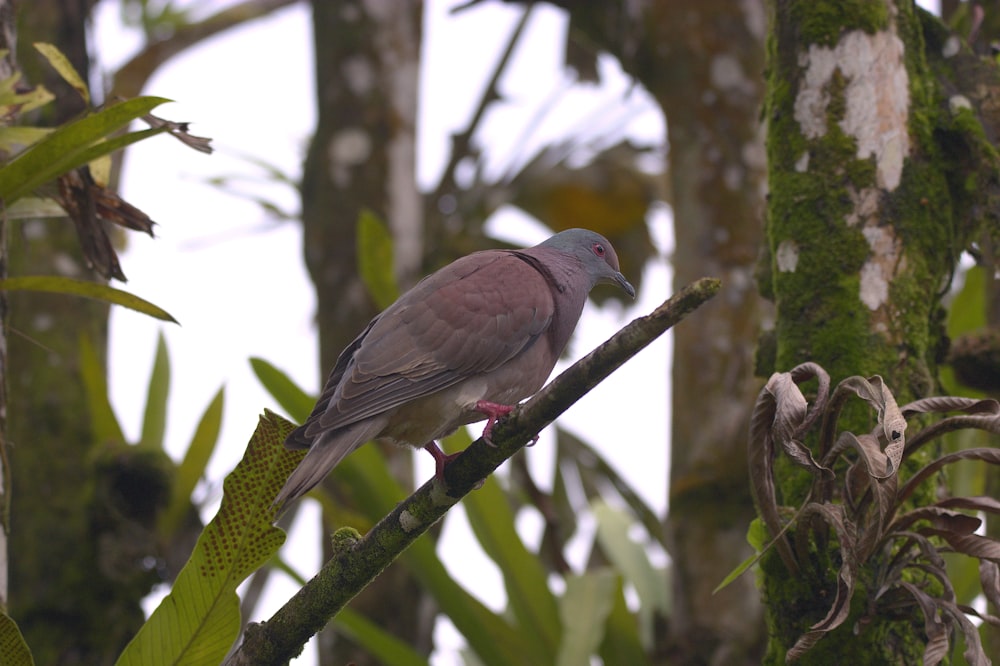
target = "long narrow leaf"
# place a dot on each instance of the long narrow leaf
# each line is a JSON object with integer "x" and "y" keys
{"x": 292, "y": 399}
{"x": 200, "y": 618}
{"x": 379, "y": 643}
{"x": 584, "y": 609}
{"x": 621, "y": 643}
{"x": 375, "y": 259}
{"x": 366, "y": 476}
{"x": 192, "y": 468}
{"x": 154, "y": 422}
{"x": 101, "y": 292}
{"x": 71, "y": 146}
{"x": 65, "y": 68}
{"x": 525, "y": 578}
{"x": 103, "y": 422}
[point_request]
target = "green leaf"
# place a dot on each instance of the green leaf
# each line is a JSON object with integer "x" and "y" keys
{"x": 621, "y": 643}
{"x": 375, "y": 259}
{"x": 584, "y": 608}
{"x": 758, "y": 537}
{"x": 154, "y": 422}
{"x": 103, "y": 421}
{"x": 200, "y": 618}
{"x": 292, "y": 399}
{"x": 74, "y": 144}
{"x": 14, "y": 102}
{"x": 65, "y": 68}
{"x": 101, "y": 292}
{"x": 366, "y": 477}
{"x": 525, "y": 578}
{"x": 192, "y": 468}
{"x": 13, "y": 650}
{"x": 382, "y": 645}
{"x": 630, "y": 558}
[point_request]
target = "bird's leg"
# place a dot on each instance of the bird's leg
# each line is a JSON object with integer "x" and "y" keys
{"x": 440, "y": 458}
{"x": 493, "y": 411}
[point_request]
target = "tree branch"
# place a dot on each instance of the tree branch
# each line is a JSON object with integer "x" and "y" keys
{"x": 358, "y": 560}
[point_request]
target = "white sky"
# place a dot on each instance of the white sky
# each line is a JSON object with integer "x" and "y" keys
{"x": 236, "y": 282}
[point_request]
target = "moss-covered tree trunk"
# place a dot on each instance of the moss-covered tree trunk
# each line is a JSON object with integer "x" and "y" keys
{"x": 362, "y": 156}
{"x": 870, "y": 187}
{"x": 76, "y": 580}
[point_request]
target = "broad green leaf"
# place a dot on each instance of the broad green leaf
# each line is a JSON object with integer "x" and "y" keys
{"x": 101, "y": 292}
{"x": 630, "y": 558}
{"x": 192, "y": 468}
{"x": 375, "y": 259}
{"x": 292, "y": 399}
{"x": 379, "y": 643}
{"x": 200, "y": 618}
{"x": 154, "y": 422}
{"x": 103, "y": 421}
{"x": 74, "y": 144}
{"x": 584, "y": 608}
{"x": 366, "y": 477}
{"x": 525, "y": 578}
{"x": 65, "y": 68}
{"x": 30, "y": 208}
{"x": 621, "y": 643}
{"x": 13, "y": 650}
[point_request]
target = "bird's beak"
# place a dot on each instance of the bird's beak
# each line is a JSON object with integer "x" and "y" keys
{"x": 624, "y": 284}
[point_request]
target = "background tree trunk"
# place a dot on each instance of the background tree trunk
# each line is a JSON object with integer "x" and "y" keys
{"x": 363, "y": 156}
{"x": 75, "y": 579}
{"x": 710, "y": 87}
{"x": 703, "y": 65}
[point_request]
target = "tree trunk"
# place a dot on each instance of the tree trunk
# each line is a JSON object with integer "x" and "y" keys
{"x": 362, "y": 156}
{"x": 76, "y": 581}
{"x": 703, "y": 64}
{"x": 708, "y": 82}
{"x": 866, "y": 219}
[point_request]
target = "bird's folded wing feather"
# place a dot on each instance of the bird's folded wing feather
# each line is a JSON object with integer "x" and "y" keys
{"x": 469, "y": 318}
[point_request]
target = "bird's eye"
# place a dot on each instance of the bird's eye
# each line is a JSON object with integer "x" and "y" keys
{"x": 598, "y": 249}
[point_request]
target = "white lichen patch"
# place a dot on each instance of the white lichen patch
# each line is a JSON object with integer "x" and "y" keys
{"x": 958, "y": 103}
{"x": 787, "y": 256}
{"x": 882, "y": 264}
{"x": 348, "y": 147}
{"x": 876, "y": 95}
{"x": 802, "y": 164}
{"x": 864, "y": 205}
{"x": 408, "y": 521}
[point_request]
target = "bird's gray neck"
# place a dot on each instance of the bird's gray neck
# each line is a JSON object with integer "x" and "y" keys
{"x": 562, "y": 272}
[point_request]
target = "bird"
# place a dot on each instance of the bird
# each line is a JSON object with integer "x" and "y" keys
{"x": 466, "y": 343}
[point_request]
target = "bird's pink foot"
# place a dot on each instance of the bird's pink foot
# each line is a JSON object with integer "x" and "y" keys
{"x": 441, "y": 459}
{"x": 494, "y": 411}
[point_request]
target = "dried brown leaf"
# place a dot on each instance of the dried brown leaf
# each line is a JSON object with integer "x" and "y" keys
{"x": 989, "y": 578}
{"x": 988, "y": 455}
{"x": 760, "y": 458}
{"x": 937, "y": 632}
{"x": 834, "y": 516}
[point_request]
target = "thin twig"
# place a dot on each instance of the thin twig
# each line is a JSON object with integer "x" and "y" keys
{"x": 357, "y": 561}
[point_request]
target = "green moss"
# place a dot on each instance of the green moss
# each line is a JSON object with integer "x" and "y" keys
{"x": 823, "y": 21}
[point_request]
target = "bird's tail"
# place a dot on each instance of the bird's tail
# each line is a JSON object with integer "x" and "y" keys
{"x": 325, "y": 453}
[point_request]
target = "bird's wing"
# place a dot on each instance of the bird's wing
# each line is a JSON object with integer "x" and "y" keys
{"x": 469, "y": 318}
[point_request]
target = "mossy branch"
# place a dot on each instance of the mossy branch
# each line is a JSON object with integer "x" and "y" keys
{"x": 358, "y": 560}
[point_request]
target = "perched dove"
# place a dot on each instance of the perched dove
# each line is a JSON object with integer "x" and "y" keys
{"x": 466, "y": 343}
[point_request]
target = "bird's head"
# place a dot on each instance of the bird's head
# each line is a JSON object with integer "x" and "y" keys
{"x": 595, "y": 254}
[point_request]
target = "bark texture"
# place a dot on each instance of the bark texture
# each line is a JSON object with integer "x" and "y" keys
{"x": 75, "y": 563}
{"x": 703, "y": 64}
{"x": 362, "y": 156}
